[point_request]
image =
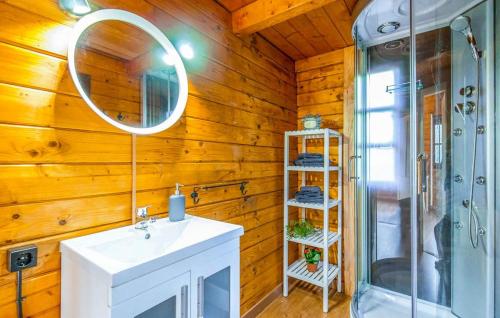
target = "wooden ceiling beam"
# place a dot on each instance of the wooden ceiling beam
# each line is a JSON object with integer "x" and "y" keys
{"x": 263, "y": 14}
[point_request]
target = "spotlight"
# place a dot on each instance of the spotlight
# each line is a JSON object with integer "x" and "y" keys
{"x": 186, "y": 51}
{"x": 168, "y": 59}
{"x": 75, "y": 7}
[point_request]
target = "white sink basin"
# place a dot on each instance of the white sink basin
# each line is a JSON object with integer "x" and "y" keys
{"x": 131, "y": 246}
{"x": 123, "y": 254}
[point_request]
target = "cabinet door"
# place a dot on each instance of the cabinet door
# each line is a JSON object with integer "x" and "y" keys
{"x": 166, "y": 300}
{"x": 217, "y": 288}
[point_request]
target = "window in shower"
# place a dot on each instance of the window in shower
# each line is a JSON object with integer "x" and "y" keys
{"x": 378, "y": 96}
{"x": 380, "y": 114}
{"x": 437, "y": 137}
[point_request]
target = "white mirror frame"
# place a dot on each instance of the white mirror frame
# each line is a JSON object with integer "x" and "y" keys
{"x": 148, "y": 27}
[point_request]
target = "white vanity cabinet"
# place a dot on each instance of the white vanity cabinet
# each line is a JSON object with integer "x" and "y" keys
{"x": 186, "y": 269}
{"x": 215, "y": 282}
{"x": 168, "y": 299}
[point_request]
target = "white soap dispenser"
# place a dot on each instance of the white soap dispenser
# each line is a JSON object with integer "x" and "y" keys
{"x": 177, "y": 205}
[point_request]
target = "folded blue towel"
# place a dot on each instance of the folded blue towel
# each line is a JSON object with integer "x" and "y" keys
{"x": 310, "y": 200}
{"x": 309, "y": 194}
{"x": 310, "y": 189}
{"x": 307, "y": 155}
{"x": 305, "y": 195}
{"x": 310, "y": 160}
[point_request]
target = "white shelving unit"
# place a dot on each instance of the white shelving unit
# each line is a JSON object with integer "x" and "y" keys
{"x": 325, "y": 238}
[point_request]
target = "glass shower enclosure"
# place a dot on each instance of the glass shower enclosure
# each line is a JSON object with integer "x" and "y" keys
{"x": 425, "y": 159}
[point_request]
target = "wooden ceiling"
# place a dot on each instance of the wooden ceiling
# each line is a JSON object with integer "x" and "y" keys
{"x": 117, "y": 39}
{"x": 315, "y": 27}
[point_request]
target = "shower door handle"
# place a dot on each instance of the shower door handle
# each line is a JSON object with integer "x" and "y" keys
{"x": 349, "y": 168}
{"x": 421, "y": 173}
{"x": 422, "y": 181}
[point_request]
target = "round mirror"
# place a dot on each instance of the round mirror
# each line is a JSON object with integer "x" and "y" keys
{"x": 127, "y": 71}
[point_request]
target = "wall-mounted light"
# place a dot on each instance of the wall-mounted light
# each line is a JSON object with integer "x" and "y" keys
{"x": 75, "y": 7}
{"x": 186, "y": 51}
{"x": 168, "y": 59}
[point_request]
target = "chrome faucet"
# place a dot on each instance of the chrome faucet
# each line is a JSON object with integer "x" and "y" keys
{"x": 143, "y": 224}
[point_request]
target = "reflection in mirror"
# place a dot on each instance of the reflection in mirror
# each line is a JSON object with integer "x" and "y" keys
{"x": 127, "y": 74}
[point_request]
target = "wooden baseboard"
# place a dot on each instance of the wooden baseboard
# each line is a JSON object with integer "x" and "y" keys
{"x": 267, "y": 300}
{"x": 264, "y": 302}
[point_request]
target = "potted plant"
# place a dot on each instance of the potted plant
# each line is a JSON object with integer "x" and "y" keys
{"x": 300, "y": 229}
{"x": 312, "y": 256}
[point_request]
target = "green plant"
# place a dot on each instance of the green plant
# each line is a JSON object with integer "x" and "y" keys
{"x": 312, "y": 255}
{"x": 300, "y": 229}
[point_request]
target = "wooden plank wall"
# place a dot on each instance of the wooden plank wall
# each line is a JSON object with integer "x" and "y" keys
{"x": 349, "y": 190}
{"x": 325, "y": 87}
{"x": 115, "y": 90}
{"x": 64, "y": 172}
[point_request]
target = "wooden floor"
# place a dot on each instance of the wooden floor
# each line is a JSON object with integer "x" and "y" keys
{"x": 306, "y": 301}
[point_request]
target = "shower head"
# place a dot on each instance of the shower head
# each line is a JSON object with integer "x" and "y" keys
{"x": 462, "y": 24}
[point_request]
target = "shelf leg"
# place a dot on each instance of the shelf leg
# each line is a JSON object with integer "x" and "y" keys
{"x": 325, "y": 299}
{"x": 285, "y": 217}
{"x": 303, "y": 184}
{"x": 326, "y": 212}
{"x": 340, "y": 215}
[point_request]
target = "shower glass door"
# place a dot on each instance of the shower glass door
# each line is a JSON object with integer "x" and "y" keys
{"x": 433, "y": 156}
{"x": 387, "y": 120}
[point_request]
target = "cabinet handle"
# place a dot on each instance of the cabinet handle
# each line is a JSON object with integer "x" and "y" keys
{"x": 184, "y": 301}
{"x": 201, "y": 296}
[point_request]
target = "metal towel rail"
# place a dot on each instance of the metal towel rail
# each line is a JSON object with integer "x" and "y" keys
{"x": 196, "y": 197}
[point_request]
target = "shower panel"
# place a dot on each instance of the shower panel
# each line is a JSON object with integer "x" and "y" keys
{"x": 425, "y": 159}
{"x": 472, "y": 233}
